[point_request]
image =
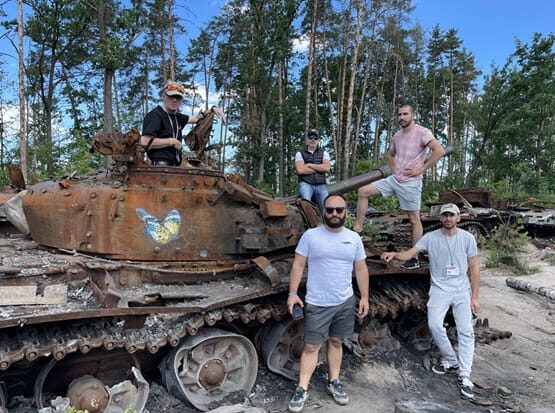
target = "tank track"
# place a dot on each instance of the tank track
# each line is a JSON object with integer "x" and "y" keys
{"x": 59, "y": 340}
{"x": 388, "y": 298}
{"x": 402, "y": 236}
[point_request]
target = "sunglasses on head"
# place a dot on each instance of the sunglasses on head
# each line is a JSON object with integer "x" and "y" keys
{"x": 179, "y": 88}
{"x": 339, "y": 210}
{"x": 313, "y": 138}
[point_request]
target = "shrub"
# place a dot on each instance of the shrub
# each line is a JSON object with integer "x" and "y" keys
{"x": 503, "y": 247}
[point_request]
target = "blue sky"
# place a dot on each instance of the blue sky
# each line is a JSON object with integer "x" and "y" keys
{"x": 489, "y": 28}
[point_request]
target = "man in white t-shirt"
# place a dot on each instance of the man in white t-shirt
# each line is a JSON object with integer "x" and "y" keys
{"x": 452, "y": 253}
{"x": 331, "y": 251}
{"x": 312, "y": 163}
{"x": 406, "y": 157}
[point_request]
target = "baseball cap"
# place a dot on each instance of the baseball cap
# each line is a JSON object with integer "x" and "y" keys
{"x": 312, "y": 132}
{"x": 449, "y": 208}
{"x": 174, "y": 89}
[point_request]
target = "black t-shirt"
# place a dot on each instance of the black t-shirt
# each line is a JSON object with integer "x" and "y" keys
{"x": 160, "y": 124}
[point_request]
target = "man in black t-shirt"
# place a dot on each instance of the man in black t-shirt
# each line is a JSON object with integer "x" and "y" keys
{"x": 162, "y": 127}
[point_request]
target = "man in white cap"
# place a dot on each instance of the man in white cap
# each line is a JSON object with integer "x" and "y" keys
{"x": 452, "y": 252}
{"x": 162, "y": 127}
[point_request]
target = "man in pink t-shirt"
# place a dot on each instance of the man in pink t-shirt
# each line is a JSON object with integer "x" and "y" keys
{"x": 406, "y": 157}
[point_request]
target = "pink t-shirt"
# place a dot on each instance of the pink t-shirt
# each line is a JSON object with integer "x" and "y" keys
{"x": 410, "y": 150}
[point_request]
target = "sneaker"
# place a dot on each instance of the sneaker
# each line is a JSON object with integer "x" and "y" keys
{"x": 297, "y": 402}
{"x": 466, "y": 387}
{"x": 411, "y": 264}
{"x": 444, "y": 368}
{"x": 336, "y": 389}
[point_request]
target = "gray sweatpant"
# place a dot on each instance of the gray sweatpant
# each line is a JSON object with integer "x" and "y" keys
{"x": 438, "y": 304}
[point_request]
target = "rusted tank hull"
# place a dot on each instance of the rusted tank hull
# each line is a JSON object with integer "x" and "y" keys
{"x": 170, "y": 215}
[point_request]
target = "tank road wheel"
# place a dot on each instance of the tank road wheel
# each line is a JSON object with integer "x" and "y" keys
{"x": 85, "y": 381}
{"x": 210, "y": 368}
{"x": 476, "y": 229}
{"x": 281, "y": 345}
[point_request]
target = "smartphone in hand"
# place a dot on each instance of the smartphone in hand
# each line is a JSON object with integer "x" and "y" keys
{"x": 297, "y": 312}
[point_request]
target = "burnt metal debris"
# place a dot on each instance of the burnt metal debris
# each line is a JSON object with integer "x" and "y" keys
{"x": 161, "y": 268}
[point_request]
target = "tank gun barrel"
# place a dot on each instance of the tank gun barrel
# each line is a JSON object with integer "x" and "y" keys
{"x": 348, "y": 185}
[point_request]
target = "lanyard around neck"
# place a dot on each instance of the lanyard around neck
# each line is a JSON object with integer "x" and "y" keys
{"x": 176, "y": 130}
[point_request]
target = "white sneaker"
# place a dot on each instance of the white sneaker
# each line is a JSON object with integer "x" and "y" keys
{"x": 466, "y": 387}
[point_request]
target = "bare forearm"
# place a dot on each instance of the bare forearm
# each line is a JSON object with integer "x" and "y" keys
{"x": 390, "y": 160}
{"x": 158, "y": 143}
{"x": 437, "y": 153}
{"x": 323, "y": 167}
{"x": 363, "y": 282}
{"x": 296, "y": 274}
{"x": 405, "y": 255}
{"x": 475, "y": 277}
{"x": 303, "y": 169}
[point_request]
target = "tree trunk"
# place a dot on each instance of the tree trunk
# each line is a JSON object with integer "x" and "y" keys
{"x": 340, "y": 107}
{"x": 451, "y": 104}
{"x": 147, "y": 91}
{"x": 116, "y": 101}
{"x": 310, "y": 66}
{"x": 108, "y": 72}
{"x": 434, "y": 103}
{"x": 163, "y": 59}
{"x": 393, "y": 101}
{"x": 281, "y": 177}
{"x": 171, "y": 40}
{"x": 330, "y": 105}
{"x": 350, "y": 98}
{"x": 22, "y": 104}
{"x": 377, "y": 139}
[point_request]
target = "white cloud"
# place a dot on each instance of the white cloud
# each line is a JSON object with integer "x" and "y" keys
{"x": 300, "y": 44}
{"x": 10, "y": 120}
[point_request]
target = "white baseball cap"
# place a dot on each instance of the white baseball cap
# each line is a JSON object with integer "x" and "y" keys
{"x": 449, "y": 208}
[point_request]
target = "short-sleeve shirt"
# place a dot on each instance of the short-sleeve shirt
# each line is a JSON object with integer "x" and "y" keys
{"x": 160, "y": 124}
{"x": 299, "y": 157}
{"x": 330, "y": 256}
{"x": 410, "y": 150}
{"x": 446, "y": 251}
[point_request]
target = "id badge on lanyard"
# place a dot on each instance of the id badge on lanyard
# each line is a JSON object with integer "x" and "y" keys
{"x": 451, "y": 270}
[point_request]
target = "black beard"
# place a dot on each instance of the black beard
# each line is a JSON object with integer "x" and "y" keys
{"x": 336, "y": 224}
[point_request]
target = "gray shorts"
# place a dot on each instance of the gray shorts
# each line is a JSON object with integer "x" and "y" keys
{"x": 408, "y": 193}
{"x": 320, "y": 323}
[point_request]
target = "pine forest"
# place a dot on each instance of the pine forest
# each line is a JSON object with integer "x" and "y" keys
{"x": 277, "y": 68}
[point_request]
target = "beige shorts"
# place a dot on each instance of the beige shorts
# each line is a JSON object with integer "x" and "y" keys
{"x": 409, "y": 193}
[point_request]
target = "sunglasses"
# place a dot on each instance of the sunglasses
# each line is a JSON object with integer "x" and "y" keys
{"x": 177, "y": 97}
{"x": 313, "y": 138}
{"x": 339, "y": 210}
{"x": 179, "y": 88}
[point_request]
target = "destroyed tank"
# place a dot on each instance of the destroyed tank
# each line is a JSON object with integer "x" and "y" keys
{"x": 177, "y": 273}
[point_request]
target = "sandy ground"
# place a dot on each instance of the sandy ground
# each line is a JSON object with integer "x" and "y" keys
{"x": 524, "y": 363}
